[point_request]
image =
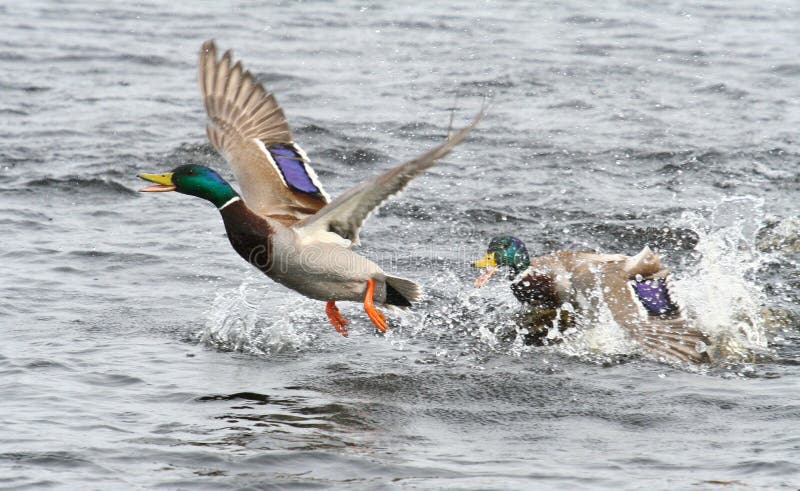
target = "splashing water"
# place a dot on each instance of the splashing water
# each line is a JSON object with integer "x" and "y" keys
{"x": 238, "y": 320}
{"x": 481, "y": 320}
{"x": 460, "y": 317}
{"x": 598, "y": 338}
{"x": 721, "y": 291}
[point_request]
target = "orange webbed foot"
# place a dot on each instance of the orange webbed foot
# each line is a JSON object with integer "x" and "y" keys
{"x": 374, "y": 314}
{"x": 336, "y": 318}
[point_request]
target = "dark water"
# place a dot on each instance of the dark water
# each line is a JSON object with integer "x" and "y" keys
{"x": 138, "y": 351}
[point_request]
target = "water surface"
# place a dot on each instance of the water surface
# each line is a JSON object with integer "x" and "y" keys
{"x": 137, "y": 349}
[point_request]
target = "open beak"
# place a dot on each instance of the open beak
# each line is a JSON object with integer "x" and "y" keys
{"x": 163, "y": 182}
{"x": 488, "y": 262}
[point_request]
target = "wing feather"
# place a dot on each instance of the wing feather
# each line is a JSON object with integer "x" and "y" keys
{"x": 345, "y": 214}
{"x": 244, "y": 120}
{"x": 672, "y": 338}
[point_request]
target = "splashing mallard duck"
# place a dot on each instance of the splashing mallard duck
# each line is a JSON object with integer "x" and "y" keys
{"x": 284, "y": 223}
{"x": 634, "y": 289}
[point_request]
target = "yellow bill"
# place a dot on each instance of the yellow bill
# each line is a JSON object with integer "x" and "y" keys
{"x": 163, "y": 182}
{"x": 488, "y": 262}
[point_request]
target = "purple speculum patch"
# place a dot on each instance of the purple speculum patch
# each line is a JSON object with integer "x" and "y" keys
{"x": 293, "y": 168}
{"x": 654, "y": 296}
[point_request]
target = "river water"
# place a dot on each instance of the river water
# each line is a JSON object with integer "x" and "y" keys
{"x": 138, "y": 351}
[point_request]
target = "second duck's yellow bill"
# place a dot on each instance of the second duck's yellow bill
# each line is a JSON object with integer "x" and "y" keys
{"x": 488, "y": 262}
{"x": 163, "y": 182}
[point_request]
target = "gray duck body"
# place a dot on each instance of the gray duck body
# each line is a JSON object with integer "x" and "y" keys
{"x": 318, "y": 270}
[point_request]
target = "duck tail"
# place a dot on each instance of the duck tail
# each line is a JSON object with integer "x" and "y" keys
{"x": 401, "y": 292}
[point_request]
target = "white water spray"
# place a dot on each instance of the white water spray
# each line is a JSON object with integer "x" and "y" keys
{"x": 720, "y": 290}
{"x": 241, "y": 319}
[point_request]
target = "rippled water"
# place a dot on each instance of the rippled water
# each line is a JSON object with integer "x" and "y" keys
{"x": 137, "y": 349}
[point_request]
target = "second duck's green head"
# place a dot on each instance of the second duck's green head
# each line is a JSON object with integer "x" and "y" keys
{"x": 195, "y": 180}
{"x": 503, "y": 251}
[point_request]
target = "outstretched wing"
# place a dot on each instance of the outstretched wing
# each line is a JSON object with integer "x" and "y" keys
{"x": 345, "y": 214}
{"x": 676, "y": 339}
{"x": 247, "y": 126}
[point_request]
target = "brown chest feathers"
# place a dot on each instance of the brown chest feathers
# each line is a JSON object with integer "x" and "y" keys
{"x": 537, "y": 290}
{"x": 249, "y": 234}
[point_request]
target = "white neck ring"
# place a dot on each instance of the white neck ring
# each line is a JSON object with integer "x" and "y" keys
{"x": 230, "y": 201}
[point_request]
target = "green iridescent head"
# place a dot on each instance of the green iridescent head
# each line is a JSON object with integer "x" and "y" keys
{"x": 195, "y": 180}
{"x": 503, "y": 251}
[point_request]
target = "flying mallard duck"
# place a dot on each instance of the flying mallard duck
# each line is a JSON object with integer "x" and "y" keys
{"x": 634, "y": 289}
{"x": 286, "y": 225}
